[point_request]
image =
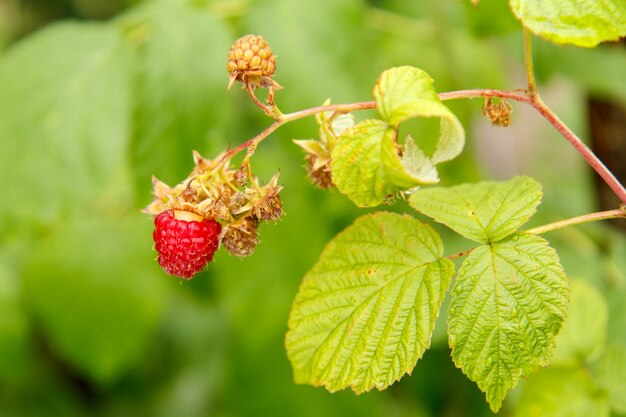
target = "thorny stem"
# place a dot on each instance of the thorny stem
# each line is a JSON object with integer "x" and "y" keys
{"x": 586, "y": 218}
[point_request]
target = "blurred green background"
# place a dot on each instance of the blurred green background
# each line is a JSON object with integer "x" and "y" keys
{"x": 96, "y": 96}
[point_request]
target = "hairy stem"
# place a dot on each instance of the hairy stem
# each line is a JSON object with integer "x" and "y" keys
{"x": 290, "y": 117}
{"x": 338, "y": 108}
{"x": 485, "y": 92}
{"x": 528, "y": 64}
{"x": 550, "y": 116}
{"x": 586, "y": 218}
{"x": 582, "y": 149}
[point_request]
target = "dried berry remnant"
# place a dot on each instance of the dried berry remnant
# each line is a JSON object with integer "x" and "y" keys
{"x": 269, "y": 208}
{"x": 252, "y": 62}
{"x": 319, "y": 152}
{"x": 499, "y": 113}
{"x": 241, "y": 238}
{"x": 185, "y": 242}
{"x": 320, "y": 175}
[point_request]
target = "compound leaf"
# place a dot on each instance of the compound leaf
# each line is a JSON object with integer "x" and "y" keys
{"x": 406, "y": 92}
{"x": 578, "y": 22}
{"x": 508, "y": 303}
{"x": 365, "y": 312}
{"x": 484, "y": 212}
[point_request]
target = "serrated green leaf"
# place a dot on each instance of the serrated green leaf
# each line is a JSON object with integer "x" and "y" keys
{"x": 64, "y": 100}
{"x": 97, "y": 292}
{"x": 508, "y": 303}
{"x": 406, "y": 92}
{"x": 583, "y": 336}
{"x": 366, "y": 166}
{"x": 559, "y": 392}
{"x": 578, "y": 22}
{"x": 486, "y": 211}
{"x": 417, "y": 163}
{"x": 610, "y": 373}
{"x": 365, "y": 312}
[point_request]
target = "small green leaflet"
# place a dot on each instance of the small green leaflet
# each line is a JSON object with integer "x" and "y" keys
{"x": 402, "y": 93}
{"x": 578, "y": 22}
{"x": 508, "y": 303}
{"x": 485, "y": 212}
{"x": 583, "y": 337}
{"x": 367, "y": 168}
{"x": 365, "y": 312}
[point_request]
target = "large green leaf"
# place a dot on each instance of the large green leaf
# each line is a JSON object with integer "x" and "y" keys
{"x": 485, "y": 212}
{"x": 94, "y": 286}
{"x": 365, "y": 312}
{"x": 508, "y": 303}
{"x": 64, "y": 100}
{"x": 578, "y": 22}
{"x": 367, "y": 168}
{"x": 406, "y": 92}
{"x": 583, "y": 336}
{"x": 560, "y": 392}
{"x": 181, "y": 82}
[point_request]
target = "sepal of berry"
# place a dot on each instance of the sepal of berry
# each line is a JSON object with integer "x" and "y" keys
{"x": 241, "y": 238}
{"x": 498, "y": 112}
{"x": 185, "y": 242}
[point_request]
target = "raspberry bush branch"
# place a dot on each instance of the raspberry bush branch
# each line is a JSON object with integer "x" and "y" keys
{"x": 553, "y": 119}
{"x": 207, "y": 192}
{"x": 257, "y": 76}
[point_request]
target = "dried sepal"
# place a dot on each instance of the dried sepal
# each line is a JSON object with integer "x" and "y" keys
{"x": 318, "y": 152}
{"x": 499, "y": 113}
{"x": 241, "y": 238}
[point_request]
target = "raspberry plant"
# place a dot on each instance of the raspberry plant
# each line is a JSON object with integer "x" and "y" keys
{"x": 365, "y": 312}
{"x": 91, "y": 110}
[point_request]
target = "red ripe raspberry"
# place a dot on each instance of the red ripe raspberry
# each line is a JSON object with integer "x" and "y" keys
{"x": 185, "y": 242}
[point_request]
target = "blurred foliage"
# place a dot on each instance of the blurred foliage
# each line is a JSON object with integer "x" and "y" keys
{"x": 90, "y": 110}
